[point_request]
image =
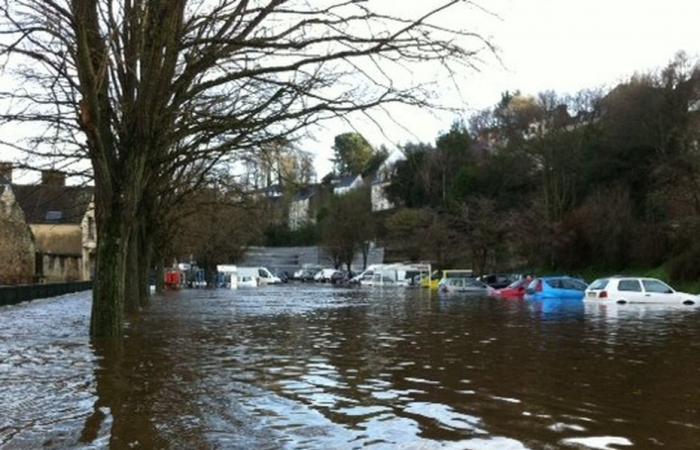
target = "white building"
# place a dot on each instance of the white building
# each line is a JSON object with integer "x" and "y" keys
{"x": 344, "y": 184}
{"x": 382, "y": 179}
{"x": 302, "y": 208}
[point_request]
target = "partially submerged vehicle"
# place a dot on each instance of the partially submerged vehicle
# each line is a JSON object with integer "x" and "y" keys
{"x": 260, "y": 274}
{"x": 515, "y": 291}
{"x": 399, "y": 274}
{"x": 622, "y": 290}
{"x": 437, "y": 277}
{"x": 556, "y": 287}
{"x": 465, "y": 285}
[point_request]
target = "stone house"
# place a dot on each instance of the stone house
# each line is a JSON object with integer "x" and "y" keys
{"x": 17, "y": 248}
{"x": 62, "y": 222}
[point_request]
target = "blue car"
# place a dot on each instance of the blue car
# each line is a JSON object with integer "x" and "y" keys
{"x": 556, "y": 288}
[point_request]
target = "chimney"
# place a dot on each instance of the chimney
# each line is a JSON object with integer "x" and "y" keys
{"x": 53, "y": 178}
{"x": 6, "y": 171}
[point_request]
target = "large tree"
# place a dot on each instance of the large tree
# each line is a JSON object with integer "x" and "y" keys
{"x": 145, "y": 88}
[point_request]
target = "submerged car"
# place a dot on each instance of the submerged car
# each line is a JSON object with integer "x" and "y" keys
{"x": 515, "y": 290}
{"x": 247, "y": 281}
{"x": 636, "y": 290}
{"x": 464, "y": 285}
{"x": 560, "y": 287}
{"x": 497, "y": 280}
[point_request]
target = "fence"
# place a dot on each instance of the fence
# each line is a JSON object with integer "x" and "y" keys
{"x": 11, "y": 295}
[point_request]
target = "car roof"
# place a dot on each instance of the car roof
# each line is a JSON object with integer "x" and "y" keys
{"x": 559, "y": 277}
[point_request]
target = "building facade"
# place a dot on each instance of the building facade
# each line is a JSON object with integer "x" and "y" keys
{"x": 17, "y": 248}
{"x": 61, "y": 222}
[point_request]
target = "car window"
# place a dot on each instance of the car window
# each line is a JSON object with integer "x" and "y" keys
{"x": 656, "y": 287}
{"x": 556, "y": 284}
{"x": 261, "y": 273}
{"x": 599, "y": 284}
{"x": 573, "y": 284}
{"x": 629, "y": 286}
{"x": 533, "y": 285}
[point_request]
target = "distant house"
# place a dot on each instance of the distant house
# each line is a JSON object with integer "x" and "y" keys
{"x": 62, "y": 221}
{"x": 381, "y": 180}
{"x": 346, "y": 183}
{"x": 17, "y": 248}
{"x": 303, "y": 206}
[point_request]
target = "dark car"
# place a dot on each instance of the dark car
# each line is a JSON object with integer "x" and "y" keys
{"x": 342, "y": 277}
{"x": 497, "y": 280}
{"x": 282, "y": 275}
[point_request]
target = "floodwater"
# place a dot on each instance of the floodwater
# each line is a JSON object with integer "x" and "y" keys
{"x": 323, "y": 368}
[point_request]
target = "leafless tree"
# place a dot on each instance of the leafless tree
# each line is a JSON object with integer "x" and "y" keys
{"x": 146, "y": 89}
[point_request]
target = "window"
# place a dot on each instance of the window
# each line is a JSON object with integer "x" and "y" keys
{"x": 656, "y": 287}
{"x": 91, "y": 228}
{"x": 556, "y": 284}
{"x": 261, "y": 273}
{"x": 599, "y": 284}
{"x": 576, "y": 285}
{"x": 629, "y": 286}
{"x": 54, "y": 216}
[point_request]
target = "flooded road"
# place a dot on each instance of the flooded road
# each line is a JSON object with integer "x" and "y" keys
{"x": 324, "y": 368}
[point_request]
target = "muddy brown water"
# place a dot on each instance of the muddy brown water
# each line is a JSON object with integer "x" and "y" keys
{"x": 323, "y": 368}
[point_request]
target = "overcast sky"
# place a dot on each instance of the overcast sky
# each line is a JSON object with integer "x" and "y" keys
{"x": 564, "y": 45}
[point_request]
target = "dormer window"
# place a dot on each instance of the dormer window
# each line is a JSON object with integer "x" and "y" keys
{"x": 54, "y": 216}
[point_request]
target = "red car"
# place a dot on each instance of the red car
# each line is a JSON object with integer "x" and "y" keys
{"x": 516, "y": 290}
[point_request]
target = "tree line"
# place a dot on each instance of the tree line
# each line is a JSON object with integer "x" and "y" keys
{"x": 607, "y": 180}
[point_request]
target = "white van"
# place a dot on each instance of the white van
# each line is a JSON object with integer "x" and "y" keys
{"x": 261, "y": 274}
{"x": 391, "y": 274}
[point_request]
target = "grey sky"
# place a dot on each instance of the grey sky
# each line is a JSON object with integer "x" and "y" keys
{"x": 565, "y": 45}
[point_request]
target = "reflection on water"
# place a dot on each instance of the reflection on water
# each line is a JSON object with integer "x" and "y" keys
{"x": 316, "y": 367}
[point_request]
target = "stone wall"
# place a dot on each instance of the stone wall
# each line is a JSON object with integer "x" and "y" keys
{"x": 61, "y": 268}
{"x": 17, "y": 249}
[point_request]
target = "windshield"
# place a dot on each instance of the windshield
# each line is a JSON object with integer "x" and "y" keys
{"x": 518, "y": 284}
{"x": 599, "y": 284}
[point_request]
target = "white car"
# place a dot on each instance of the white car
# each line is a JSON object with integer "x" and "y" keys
{"x": 247, "y": 282}
{"x": 636, "y": 290}
{"x": 324, "y": 275}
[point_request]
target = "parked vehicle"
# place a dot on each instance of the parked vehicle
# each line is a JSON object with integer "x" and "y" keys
{"x": 464, "y": 285}
{"x": 307, "y": 272}
{"x": 398, "y": 274}
{"x": 561, "y": 287}
{"x": 636, "y": 290}
{"x": 228, "y": 275}
{"x": 282, "y": 275}
{"x": 516, "y": 290}
{"x": 497, "y": 280}
{"x": 342, "y": 277}
{"x": 324, "y": 275}
{"x": 261, "y": 274}
{"x": 247, "y": 281}
{"x": 437, "y": 277}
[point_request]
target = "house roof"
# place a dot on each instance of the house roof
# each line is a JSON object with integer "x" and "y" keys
{"x": 344, "y": 181}
{"x": 306, "y": 192}
{"x": 53, "y": 204}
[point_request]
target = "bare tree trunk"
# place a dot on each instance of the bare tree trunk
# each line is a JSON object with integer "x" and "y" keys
{"x": 108, "y": 296}
{"x": 132, "y": 278}
{"x": 145, "y": 264}
{"x": 160, "y": 275}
